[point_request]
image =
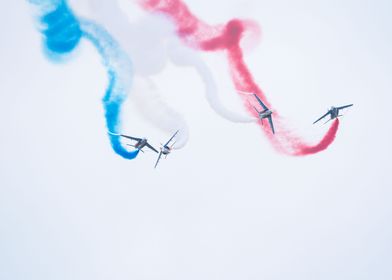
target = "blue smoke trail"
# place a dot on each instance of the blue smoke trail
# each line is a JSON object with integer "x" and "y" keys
{"x": 119, "y": 69}
{"x": 62, "y": 33}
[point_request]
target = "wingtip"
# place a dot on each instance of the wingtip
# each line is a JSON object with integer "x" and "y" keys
{"x": 112, "y": 133}
{"x": 245, "y": 92}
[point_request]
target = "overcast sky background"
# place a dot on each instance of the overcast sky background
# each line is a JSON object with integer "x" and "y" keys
{"x": 227, "y": 206}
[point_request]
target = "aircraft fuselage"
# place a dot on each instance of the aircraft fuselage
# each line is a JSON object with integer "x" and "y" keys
{"x": 166, "y": 150}
{"x": 141, "y": 144}
{"x": 334, "y": 112}
{"x": 265, "y": 114}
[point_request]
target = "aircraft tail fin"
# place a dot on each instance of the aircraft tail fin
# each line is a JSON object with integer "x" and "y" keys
{"x": 135, "y": 147}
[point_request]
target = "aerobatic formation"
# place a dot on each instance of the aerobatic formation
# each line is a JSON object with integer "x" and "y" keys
{"x": 132, "y": 52}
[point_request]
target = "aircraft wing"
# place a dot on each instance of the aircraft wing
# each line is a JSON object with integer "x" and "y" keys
{"x": 346, "y": 106}
{"x": 271, "y": 124}
{"x": 167, "y": 143}
{"x": 261, "y": 102}
{"x": 130, "y": 137}
{"x": 152, "y": 148}
{"x": 321, "y": 117}
{"x": 159, "y": 157}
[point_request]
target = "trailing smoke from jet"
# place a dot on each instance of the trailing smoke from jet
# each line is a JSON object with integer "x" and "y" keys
{"x": 151, "y": 105}
{"x": 227, "y": 38}
{"x": 152, "y": 42}
{"x": 62, "y": 32}
{"x": 187, "y": 57}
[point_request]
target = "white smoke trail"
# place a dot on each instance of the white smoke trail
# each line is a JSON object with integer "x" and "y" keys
{"x": 145, "y": 40}
{"x": 183, "y": 56}
{"x": 151, "y": 105}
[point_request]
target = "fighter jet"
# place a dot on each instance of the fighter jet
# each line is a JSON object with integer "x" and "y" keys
{"x": 334, "y": 112}
{"x": 265, "y": 114}
{"x": 140, "y": 143}
{"x": 166, "y": 149}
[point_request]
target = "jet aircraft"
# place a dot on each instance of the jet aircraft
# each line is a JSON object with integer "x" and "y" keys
{"x": 140, "y": 143}
{"x": 265, "y": 113}
{"x": 333, "y": 112}
{"x": 166, "y": 149}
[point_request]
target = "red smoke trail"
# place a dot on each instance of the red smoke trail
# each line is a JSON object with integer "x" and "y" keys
{"x": 323, "y": 144}
{"x": 227, "y": 38}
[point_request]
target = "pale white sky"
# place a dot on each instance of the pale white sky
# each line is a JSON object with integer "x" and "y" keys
{"x": 226, "y": 206}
